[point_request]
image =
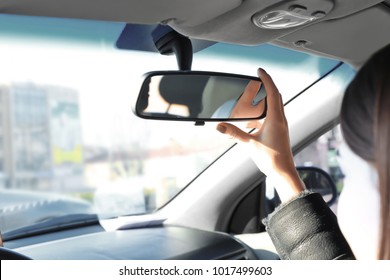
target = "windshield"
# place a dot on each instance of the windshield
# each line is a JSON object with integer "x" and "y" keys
{"x": 69, "y": 142}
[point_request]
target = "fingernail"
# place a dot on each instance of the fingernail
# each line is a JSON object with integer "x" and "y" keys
{"x": 221, "y": 128}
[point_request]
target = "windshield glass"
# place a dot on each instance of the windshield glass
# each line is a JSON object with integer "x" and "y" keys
{"x": 69, "y": 142}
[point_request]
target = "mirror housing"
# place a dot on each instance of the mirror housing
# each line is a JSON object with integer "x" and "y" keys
{"x": 319, "y": 181}
{"x": 200, "y": 96}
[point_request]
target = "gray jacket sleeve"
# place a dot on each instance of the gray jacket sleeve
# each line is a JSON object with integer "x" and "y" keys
{"x": 305, "y": 228}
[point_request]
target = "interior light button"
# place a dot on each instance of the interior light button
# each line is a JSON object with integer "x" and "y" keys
{"x": 297, "y": 9}
{"x": 318, "y": 14}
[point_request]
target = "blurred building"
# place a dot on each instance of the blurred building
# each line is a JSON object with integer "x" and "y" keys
{"x": 40, "y": 137}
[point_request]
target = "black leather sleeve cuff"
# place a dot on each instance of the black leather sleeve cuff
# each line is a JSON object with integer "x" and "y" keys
{"x": 305, "y": 228}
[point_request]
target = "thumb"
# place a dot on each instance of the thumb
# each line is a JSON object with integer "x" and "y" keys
{"x": 234, "y": 132}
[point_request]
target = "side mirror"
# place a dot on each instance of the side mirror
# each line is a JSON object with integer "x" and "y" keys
{"x": 199, "y": 96}
{"x": 317, "y": 180}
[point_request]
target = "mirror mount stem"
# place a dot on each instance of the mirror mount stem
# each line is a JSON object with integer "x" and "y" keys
{"x": 181, "y": 46}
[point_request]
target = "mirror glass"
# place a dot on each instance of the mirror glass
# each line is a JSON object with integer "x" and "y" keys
{"x": 205, "y": 96}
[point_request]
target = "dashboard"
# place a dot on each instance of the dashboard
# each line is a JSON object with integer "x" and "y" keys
{"x": 151, "y": 243}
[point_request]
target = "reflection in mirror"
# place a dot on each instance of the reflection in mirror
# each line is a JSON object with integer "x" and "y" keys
{"x": 201, "y": 96}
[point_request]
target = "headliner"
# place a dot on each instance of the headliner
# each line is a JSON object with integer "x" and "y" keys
{"x": 351, "y": 31}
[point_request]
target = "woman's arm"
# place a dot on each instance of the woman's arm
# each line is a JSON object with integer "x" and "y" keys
{"x": 270, "y": 144}
{"x": 303, "y": 227}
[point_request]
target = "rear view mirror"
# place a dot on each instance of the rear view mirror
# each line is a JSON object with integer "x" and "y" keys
{"x": 200, "y": 96}
{"x": 317, "y": 180}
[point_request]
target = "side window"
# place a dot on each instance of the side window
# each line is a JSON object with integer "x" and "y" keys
{"x": 322, "y": 153}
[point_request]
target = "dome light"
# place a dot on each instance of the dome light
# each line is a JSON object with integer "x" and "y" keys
{"x": 280, "y": 19}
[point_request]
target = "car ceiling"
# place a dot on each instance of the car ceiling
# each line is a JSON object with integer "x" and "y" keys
{"x": 351, "y": 30}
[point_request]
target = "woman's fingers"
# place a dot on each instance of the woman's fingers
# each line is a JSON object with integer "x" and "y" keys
{"x": 273, "y": 95}
{"x": 275, "y": 114}
{"x": 256, "y": 124}
{"x": 282, "y": 109}
{"x": 234, "y": 132}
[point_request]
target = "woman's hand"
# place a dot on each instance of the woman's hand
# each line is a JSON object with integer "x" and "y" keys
{"x": 269, "y": 145}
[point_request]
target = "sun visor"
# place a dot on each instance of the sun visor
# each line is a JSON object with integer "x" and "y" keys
{"x": 140, "y": 37}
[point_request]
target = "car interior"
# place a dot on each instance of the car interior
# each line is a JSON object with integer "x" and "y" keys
{"x": 218, "y": 214}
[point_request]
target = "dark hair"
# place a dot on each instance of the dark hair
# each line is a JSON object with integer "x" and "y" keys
{"x": 365, "y": 123}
